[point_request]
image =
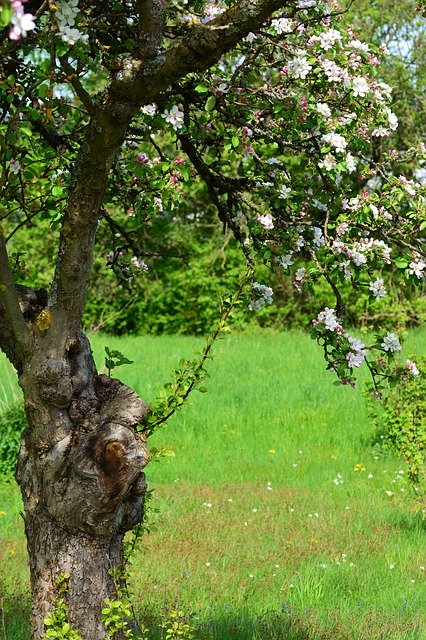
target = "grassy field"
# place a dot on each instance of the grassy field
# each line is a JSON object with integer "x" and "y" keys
{"x": 276, "y": 518}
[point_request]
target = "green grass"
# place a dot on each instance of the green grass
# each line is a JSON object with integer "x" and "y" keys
{"x": 265, "y": 530}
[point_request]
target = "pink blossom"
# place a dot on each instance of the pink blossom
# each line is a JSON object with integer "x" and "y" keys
{"x": 412, "y": 367}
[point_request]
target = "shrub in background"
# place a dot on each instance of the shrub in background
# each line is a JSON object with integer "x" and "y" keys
{"x": 12, "y": 423}
{"x": 180, "y": 291}
{"x": 400, "y": 420}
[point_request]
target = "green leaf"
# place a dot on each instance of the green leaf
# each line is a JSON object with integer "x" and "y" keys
{"x": 235, "y": 141}
{"x": 401, "y": 262}
{"x": 43, "y": 90}
{"x": 6, "y": 13}
{"x": 211, "y": 101}
{"x": 201, "y": 88}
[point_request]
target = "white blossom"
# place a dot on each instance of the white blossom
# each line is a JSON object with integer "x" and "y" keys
{"x": 329, "y": 319}
{"x": 299, "y": 277}
{"x": 306, "y": 4}
{"x": 335, "y": 140}
{"x": 408, "y": 185}
{"x": 345, "y": 267}
{"x": 393, "y": 120}
{"x": 323, "y": 109}
{"x": 284, "y": 192}
{"x": 380, "y": 132}
{"x": 350, "y": 163}
{"x": 360, "y": 86}
{"x": 266, "y": 221}
{"x": 328, "y": 162}
{"x": 412, "y": 367}
{"x": 285, "y": 261}
{"x": 149, "y": 109}
{"x": 319, "y": 205}
{"x": 14, "y": 166}
{"x": 417, "y": 267}
{"x": 72, "y": 35}
{"x": 342, "y": 228}
{"x": 263, "y": 296}
{"x": 357, "y": 354}
{"x": 333, "y": 72}
{"x": 174, "y": 116}
{"x": 300, "y": 242}
{"x": 375, "y": 211}
{"x": 329, "y": 38}
{"x": 347, "y": 118}
{"x": 391, "y": 342}
{"x": 282, "y": 25}
{"x": 359, "y": 46}
{"x": 357, "y": 257}
{"x": 318, "y": 238}
{"x": 377, "y": 288}
{"x": 21, "y": 24}
{"x": 299, "y": 67}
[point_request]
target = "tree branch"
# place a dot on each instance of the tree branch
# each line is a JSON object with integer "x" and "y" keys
{"x": 200, "y": 48}
{"x": 151, "y": 25}
{"x": 74, "y": 81}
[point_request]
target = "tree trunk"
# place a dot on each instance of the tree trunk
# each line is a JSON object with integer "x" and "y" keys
{"x": 79, "y": 471}
{"x": 86, "y": 559}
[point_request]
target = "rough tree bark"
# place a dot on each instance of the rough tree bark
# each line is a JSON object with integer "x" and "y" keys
{"x": 80, "y": 462}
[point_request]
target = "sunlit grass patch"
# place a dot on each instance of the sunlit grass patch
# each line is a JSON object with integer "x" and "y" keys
{"x": 277, "y": 519}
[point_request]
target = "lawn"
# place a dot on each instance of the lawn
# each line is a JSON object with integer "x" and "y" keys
{"x": 276, "y": 518}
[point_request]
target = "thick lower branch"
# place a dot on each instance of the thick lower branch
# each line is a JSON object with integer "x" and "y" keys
{"x": 31, "y": 302}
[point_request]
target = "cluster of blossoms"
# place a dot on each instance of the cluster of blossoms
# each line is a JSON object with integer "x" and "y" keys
{"x": 353, "y": 351}
{"x": 138, "y": 264}
{"x": 14, "y": 166}
{"x": 66, "y": 14}
{"x": 21, "y": 22}
{"x": 266, "y": 221}
{"x": 360, "y": 250}
{"x": 391, "y": 343}
{"x": 417, "y": 266}
{"x": 263, "y": 296}
{"x": 357, "y": 354}
{"x": 412, "y": 367}
{"x": 377, "y": 288}
{"x": 328, "y": 318}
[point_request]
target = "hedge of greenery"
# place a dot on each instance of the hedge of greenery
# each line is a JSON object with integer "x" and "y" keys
{"x": 186, "y": 278}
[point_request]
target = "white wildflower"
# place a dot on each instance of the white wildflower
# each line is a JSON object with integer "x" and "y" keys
{"x": 359, "y": 46}
{"x": 266, "y": 221}
{"x": 285, "y": 261}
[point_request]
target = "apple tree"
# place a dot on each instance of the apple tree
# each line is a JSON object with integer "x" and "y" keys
{"x": 112, "y": 113}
